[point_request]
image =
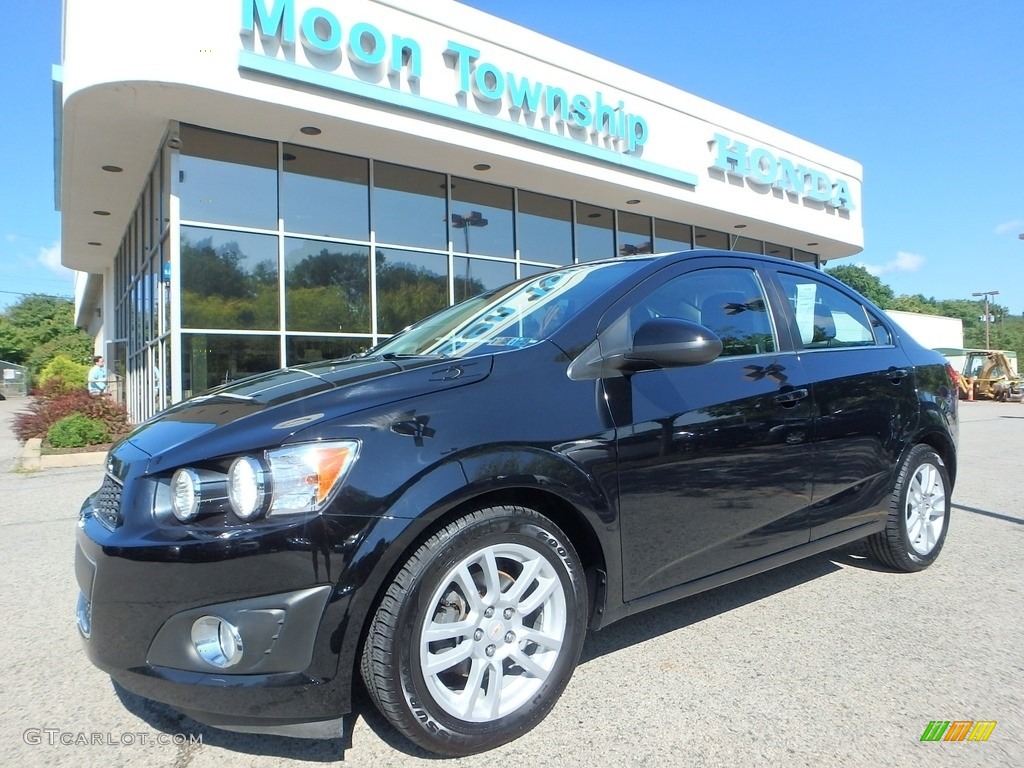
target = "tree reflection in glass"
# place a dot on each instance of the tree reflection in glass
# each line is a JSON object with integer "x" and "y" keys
{"x": 228, "y": 280}
{"x": 327, "y": 287}
{"x": 410, "y": 286}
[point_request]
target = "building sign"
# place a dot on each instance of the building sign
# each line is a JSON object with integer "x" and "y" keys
{"x": 763, "y": 168}
{"x": 586, "y": 123}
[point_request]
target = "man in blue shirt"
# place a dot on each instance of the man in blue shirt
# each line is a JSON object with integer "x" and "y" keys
{"x": 97, "y": 377}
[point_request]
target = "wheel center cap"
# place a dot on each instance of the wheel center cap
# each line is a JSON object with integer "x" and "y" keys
{"x": 496, "y": 630}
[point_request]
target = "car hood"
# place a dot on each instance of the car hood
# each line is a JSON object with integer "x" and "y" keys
{"x": 267, "y": 408}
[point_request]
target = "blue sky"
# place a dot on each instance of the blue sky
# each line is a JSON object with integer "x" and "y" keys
{"x": 928, "y": 96}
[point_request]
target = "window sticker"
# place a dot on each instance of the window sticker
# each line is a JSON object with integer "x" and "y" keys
{"x": 805, "y": 293}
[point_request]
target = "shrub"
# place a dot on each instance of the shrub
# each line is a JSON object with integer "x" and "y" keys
{"x": 62, "y": 374}
{"x": 77, "y": 430}
{"x": 49, "y": 407}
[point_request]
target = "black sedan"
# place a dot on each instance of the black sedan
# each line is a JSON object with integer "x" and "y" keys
{"x": 448, "y": 513}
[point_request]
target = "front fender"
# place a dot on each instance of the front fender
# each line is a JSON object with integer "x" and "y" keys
{"x": 573, "y": 499}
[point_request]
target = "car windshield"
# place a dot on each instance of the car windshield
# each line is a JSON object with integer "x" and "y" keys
{"x": 512, "y": 317}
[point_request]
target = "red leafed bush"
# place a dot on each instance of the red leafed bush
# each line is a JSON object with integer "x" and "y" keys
{"x": 51, "y": 405}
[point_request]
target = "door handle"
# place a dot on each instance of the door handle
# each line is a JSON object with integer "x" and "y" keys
{"x": 791, "y": 397}
{"x": 896, "y": 375}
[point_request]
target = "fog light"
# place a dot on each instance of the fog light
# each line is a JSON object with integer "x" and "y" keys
{"x": 83, "y": 611}
{"x": 216, "y": 641}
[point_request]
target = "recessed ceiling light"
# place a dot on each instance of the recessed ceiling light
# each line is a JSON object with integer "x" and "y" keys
{"x": 634, "y": 201}
{"x": 740, "y": 226}
{"x": 481, "y": 167}
{"x": 593, "y": 215}
{"x": 102, "y": 213}
{"x": 112, "y": 168}
{"x": 93, "y": 242}
{"x": 310, "y": 130}
{"x": 812, "y": 244}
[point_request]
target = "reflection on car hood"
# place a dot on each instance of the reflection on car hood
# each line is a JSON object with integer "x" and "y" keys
{"x": 266, "y": 408}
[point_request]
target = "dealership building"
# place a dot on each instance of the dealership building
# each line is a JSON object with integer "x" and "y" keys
{"x": 249, "y": 184}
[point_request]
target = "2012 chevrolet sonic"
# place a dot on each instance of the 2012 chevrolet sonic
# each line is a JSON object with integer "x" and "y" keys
{"x": 448, "y": 513}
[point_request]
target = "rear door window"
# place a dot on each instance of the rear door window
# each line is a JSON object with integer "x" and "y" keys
{"x": 827, "y": 318}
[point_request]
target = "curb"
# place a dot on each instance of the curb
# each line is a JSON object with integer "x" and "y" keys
{"x": 33, "y": 460}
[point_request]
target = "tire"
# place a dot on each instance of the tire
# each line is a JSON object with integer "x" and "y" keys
{"x": 918, "y": 513}
{"x": 478, "y": 634}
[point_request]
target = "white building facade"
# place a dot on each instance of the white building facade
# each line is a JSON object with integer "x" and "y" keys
{"x": 249, "y": 184}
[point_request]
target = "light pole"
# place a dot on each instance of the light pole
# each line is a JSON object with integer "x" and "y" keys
{"x": 472, "y": 219}
{"x": 988, "y": 317}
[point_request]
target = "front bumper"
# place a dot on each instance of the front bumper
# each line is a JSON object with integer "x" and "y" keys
{"x": 141, "y": 591}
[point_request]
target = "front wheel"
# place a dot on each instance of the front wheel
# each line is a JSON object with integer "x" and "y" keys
{"x": 918, "y": 513}
{"x": 479, "y": 632}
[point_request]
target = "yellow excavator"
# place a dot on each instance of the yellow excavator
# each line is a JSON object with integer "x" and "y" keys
{"x": 988, "y": 375}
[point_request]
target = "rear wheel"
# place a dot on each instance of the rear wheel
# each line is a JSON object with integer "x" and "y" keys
{"x": 918, "y": 513}
{"x": 479, "y": 633}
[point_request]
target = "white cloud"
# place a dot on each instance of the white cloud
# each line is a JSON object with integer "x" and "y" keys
{"x": 10, "y": 238}
{"x": 1009, "y": 226}
{"x": 904, "y": 262}
{"x": 50, "y": 258}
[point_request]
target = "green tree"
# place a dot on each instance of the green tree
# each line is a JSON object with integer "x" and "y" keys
{"x": 38, "y": 328}
{"x": 864, "y": 283}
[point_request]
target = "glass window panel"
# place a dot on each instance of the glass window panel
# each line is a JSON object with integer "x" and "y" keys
{"x": 803, "y": 256}
{"x": 145, "y": 305}
{"x": 145, "y": 219}
{"x": 747, "y": 245}
{"x": 529, "y": 270}
{"x": 481, "y": 219}
{"x": 165, "y": 288}
{"x": 154, "y": 211}
{"x": 545, "y": 228}
{"x": 410, "y": 286}
{"x": 409, "y": 206}
{"x": 634, "y": 234}
{"x": 324, "y": 193}
{"x": 710, "y": 238}
{"x": 594, "y": 233}
{"x": 155, "y": 289}
{"x": 209, "y": 360}
{"x": 473, "y": 276}
{"x": 162, "y": 375}
{"x": 228, "y": 280}
{"x": 779, "y": 251}
{"x": 227, "y": 179}
{"x": 327, "y": 286}
{"x": 671, "y": 236}
{"x": 313, "y": 349}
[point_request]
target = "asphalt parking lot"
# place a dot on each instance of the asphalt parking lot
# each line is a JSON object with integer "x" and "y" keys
{"x": 831, "y": 661}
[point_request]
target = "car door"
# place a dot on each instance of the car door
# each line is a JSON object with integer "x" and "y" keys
{"x": 713, "y": 460}
{"x": 864, "y": 397}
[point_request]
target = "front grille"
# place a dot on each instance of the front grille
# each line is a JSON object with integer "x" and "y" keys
{"x": 107, "y": 503}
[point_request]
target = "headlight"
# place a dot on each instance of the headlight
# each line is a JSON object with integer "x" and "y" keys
{"x": 306, "y": 477}
{"x": 283, "y": 481}
{"x": 186, "y": 494}
{"x": 247, "y": 487}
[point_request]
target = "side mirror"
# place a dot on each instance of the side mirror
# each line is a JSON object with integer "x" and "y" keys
{"x": 669, "y": 342}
